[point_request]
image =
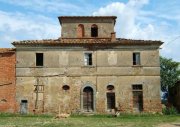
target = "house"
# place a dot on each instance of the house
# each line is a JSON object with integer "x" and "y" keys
{"x": 7, "y": 80}
{"x": 87, "y": 69}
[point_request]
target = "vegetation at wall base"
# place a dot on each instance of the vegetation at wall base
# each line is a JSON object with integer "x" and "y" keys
{"x": 169, "y": 111}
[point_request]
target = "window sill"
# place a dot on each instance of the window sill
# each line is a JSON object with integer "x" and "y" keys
{"x": 38, "y": 66}
{"x": 88, "y": 66}
{"x": 137, "y": 66}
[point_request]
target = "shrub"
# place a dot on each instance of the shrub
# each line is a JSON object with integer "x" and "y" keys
{"x": 169, "y": 111}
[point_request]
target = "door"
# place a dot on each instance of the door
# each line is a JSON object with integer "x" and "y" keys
{"x": 110, "y": 101}
{"x": 88, "y": 99}
{"x": 138, "y": 101}
{"x": 23, "y": 106}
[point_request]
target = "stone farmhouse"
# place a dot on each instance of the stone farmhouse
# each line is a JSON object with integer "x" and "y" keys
{"x": 87, "y": 69}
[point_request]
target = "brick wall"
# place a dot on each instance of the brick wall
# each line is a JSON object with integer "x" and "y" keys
{"x": 7, "y": 80}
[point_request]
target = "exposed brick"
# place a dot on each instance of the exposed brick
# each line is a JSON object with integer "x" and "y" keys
{"x": 7, "y": 81}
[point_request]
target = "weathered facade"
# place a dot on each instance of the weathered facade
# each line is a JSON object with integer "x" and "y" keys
{"x": 88, "y": 69}
{"x": 7, "y": 80}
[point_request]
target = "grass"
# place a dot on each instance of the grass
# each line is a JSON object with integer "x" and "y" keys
{"x": 126, "y": 120}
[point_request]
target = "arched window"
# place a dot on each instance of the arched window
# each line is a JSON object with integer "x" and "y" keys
{"x": 94, "y": 30}
{"x": 80, "y": 31}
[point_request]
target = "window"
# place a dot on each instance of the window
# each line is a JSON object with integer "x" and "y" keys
{"x": 39, "y": 59}
{"x": 137, "y": 87}
{"x": 136, "y": 58}
{"x": 80, "y": 31}
{"x": 94, "y": 30}
{"x": 88, "y": 59}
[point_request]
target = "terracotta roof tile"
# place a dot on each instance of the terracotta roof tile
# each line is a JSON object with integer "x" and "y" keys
{"x": 114, "y": 17}
{"x": 86, "y": 41}
{"x": 4, "y": 50}
{"x": 85, "y": 17}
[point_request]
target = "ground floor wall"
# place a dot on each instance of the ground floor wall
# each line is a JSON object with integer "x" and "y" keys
{"x": 7, "y": 80}
{"x": 7, "y": 98}
{"x": 67, "y": 94}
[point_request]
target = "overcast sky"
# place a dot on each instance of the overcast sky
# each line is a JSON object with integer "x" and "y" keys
{"x": 137, "y": 19}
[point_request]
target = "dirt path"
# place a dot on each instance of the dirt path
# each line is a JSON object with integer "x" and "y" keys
{"x": 170, "y": 125}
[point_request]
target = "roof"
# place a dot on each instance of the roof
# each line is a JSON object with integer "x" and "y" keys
{"x": 86, "y": 41}
{"x": 7, "y": 50}
{"x": 85, "y": 17}
{"x": 114, "y": 17}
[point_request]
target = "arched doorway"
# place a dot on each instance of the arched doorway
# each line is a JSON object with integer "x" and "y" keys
{"x": 88, "y": 99}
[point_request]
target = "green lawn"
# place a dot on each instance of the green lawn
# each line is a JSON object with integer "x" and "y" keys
{"x": 90, "y": 121}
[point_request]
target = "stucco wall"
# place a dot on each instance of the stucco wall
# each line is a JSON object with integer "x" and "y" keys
{"x": 66, "y": 67}
{"x": 69, "y": 27}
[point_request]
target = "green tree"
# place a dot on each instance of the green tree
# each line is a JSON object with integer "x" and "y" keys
{"x": 169, "y": 73}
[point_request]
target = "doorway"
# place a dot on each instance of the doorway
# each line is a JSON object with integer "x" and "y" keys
{"x": 110, "y": 101}
{"x": 24, "y": 107}
{"x": 137, "y": 97}
{"x": 88, "y": 99}
{"x": 138, "y": 101}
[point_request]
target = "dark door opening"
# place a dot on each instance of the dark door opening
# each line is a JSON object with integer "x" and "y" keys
{"x": 24, "y": 107}
{"x": 138, "y": 101}
{"x": 110, "y": 101}
{"x": 94, "y": 31}
{"x": 88, "y": 99}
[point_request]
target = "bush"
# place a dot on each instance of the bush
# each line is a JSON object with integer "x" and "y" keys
{"x": 169, "y": 111}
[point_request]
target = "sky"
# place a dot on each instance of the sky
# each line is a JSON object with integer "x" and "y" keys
{"x": 136, "y": 19}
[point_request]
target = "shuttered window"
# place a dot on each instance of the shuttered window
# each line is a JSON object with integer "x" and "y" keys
{"x": 136, "y": 58}
{"x": 88, "y": 59}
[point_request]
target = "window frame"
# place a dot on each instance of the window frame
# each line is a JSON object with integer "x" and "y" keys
{"x": 136, "y": 57}
{"x": 137, "y": 85}
{"x": 87, "y": 63}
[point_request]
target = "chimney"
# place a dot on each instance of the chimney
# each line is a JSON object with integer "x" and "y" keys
{"x": 113, "y": 36}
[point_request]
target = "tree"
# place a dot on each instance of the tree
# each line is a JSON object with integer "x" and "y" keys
{"x": 169, "y": 73}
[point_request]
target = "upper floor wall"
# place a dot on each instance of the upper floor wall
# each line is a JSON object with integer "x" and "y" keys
{"x": 87, "y": 27}
{"x": 134, "y": 62}
{"x": 60, "y": 59}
